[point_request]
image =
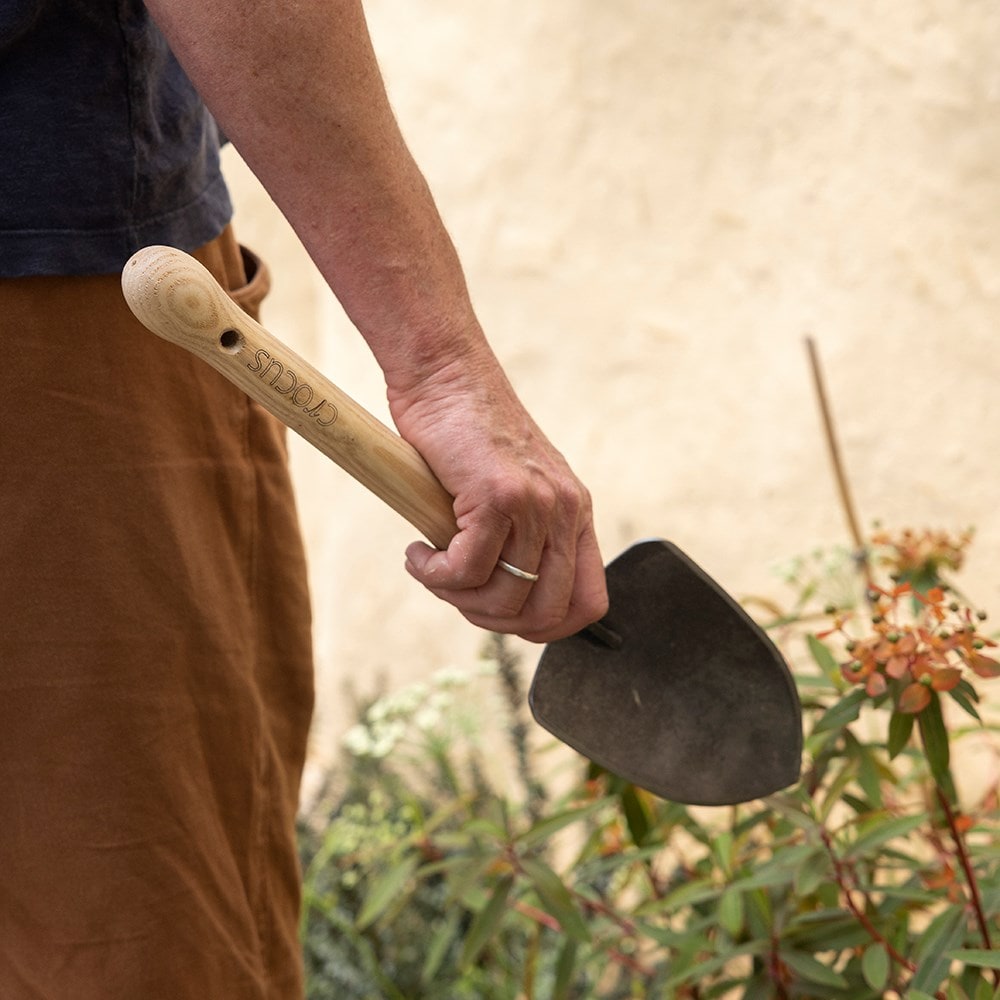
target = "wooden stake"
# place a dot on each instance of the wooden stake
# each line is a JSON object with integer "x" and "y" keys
{"x": 843, "y": 487}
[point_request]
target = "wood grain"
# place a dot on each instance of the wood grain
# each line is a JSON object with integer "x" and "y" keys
{"x": 175, "y": 297}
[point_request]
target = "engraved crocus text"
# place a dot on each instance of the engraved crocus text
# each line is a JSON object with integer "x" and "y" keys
{"x": 287, "y": 383}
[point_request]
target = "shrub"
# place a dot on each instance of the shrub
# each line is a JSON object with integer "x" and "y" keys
{"x": 431, "y": 874}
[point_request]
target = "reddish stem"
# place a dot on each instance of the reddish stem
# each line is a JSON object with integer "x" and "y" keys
{"x": 970, "y": 876}
{"x": 859, "y": 914}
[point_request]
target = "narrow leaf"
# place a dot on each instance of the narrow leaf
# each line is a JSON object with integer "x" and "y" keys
{"x": 722, "y": 848}
{"x": 731, "y": 912}
{"x": 486, "y": 921}
{"x": 565, "y": 965}
{"x": 882, "y": 831}
{"x": 709, "y": 966}
{"x": 835, "y": 787}
{"x": 545, "y": 828}
{"x": 965, "y": 697}
{"x": 811, "y": 873}
{"x": 869, "y": 777}
{"x": 942, "y": 934}
{"x": 900, "y": 728}
{"x": 979, "y": 957}
{"x": 934, "y": 737}
{"x": 842, "y": 713}
{"x": 556, "y": 898}
{"x": 442, "y": 940}
{"x": 636, "y": 815}
{"x": 687, "y": 894}
{"x": 812, "y": 970}
{"x": 825, "y": 660}
{"x": 386, "y": 890}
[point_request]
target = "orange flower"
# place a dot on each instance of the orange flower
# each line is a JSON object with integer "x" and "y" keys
{"x": 917, "y": 643}
{"x": 920, "y": 555}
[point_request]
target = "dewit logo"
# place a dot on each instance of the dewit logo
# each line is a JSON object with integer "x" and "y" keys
{"x": 300, "y": 393}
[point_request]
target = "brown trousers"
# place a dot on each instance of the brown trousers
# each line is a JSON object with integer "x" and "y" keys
{"x": 155, "y": 662}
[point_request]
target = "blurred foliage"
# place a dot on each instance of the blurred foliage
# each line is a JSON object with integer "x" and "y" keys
{"x": 430, "y": 873}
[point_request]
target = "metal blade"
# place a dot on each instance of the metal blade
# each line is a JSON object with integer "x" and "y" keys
{"x": 694, "y": 703}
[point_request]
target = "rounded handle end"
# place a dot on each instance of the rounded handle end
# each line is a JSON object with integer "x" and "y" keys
{"x": 176, "y": 297}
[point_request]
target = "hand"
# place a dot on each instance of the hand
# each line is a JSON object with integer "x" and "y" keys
{"x": 516, "y": 499}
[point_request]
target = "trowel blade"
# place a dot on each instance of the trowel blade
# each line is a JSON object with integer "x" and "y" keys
{"x": 678, "y": 690}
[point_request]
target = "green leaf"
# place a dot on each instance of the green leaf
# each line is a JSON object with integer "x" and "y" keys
{"x": 918, "y": 995}
{"x": 825, "y": 660}
{"x": 709, "y": 966}
{"x": 759, "y": 988}
{"x": 825, "y": 930}
{"x": 545, "y": 828}
{"x": 731, "y": 912}
{"x": 636, "y": 815}
{"x": 442, "y": 940}
{"x": 834, "y": 789}
{"x": 977, "y": 956}
{"x": 722, "y": 848}
{"x": 556, "y": 898}
{"x": 942, "y": 934}
{"x": 842, "y": 713}
{"x": 565, "y": 964}
{"x": 687, "y": 894}
{"x": 965, "y": 696}
{"x": 984, "y": 991}
{"x": 759, "y": 914}
{"x": 767, "y": 876}
{"x": 812, "y": 970}
{"x": 486, "y": 921}
{"x": 869, "y": 777}
{"x": 881, "y": 830}
{"x": 900, "y": 727}
{"x": 934, "y": 737}
{"x": 875, "y": 966}
{"x": 812, "y": 873}
{"x": 386, "y": 890}
{"x": 465, "y": 876}
{"x": 661, "y": 935}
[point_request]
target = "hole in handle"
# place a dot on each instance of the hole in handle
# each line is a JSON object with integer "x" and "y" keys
{"x": 231, "y": 341}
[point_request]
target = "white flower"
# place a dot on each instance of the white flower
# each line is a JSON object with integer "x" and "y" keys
{"x": 440, "y": 700}
{"x": 382, "y": 747}
{"x": 427, "y": 718}
{"x": 487, "y": 667}
{"x": 358, "y": 740}
{"x": 402, "y": 702}
{"x": 448, "y": 677}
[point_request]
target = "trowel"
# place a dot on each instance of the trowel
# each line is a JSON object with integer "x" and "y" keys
{"x": 676, "y": 689}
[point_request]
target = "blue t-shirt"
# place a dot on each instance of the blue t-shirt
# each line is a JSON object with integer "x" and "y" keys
{"x": 105, "y": 146}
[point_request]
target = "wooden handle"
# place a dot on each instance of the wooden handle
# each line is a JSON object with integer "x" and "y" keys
{"x": 178, "y": 299}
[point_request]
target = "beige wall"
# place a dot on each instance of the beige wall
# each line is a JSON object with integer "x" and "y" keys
{"x": 655, "y": 200}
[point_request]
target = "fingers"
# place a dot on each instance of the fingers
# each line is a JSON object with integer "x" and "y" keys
{"x": 569, "y": 593}
{"x": 515, "y": 500}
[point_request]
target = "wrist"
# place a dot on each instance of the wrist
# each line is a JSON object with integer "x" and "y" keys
{"x": 448, "y": 363}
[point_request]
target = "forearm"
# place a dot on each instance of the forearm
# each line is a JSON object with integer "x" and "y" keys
{"x": 297, "y": 89}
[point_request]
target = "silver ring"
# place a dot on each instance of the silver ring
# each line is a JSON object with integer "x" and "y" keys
{"x": 514, "y": 571}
